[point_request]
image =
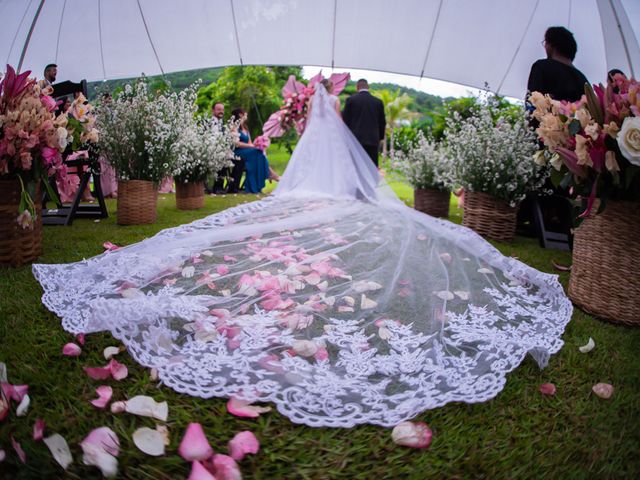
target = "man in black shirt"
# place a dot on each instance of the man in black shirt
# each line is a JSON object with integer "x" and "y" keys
{"x": 556, "y": 74}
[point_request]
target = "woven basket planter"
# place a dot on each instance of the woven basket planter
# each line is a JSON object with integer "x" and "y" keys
{"x": 432, "y": 202}
{"x": 190, "y": 195}
{"x": 18, "y": 246}
{"x": 489, "y": 216}
{"x": 137, "y": 202}
{"x": 605, "y": 271}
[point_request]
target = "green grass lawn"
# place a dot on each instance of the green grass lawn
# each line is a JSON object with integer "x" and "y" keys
{"x": 519, "y": 434}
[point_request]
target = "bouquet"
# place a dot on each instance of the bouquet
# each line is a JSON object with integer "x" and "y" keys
{"x": 492, "y": 154}
{"x": 594, "y": 143}
{"x": 294, "y": 110}
{"x": 423, "y": 163}
{"x": 262, "y": 143}
{"x": 203, "y": 150}
{"x": 32, "y": 139}
{"x": 141, "y": 132}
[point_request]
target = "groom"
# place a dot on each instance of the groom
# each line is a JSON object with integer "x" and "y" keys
{"x": 364, "y": 115}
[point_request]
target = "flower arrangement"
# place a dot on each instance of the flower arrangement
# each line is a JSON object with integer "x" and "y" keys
{"x": 492, "y": 154}
{"x": 296, "y": 95}
{"x": 594, "y": 143}
{"x": 203, "y": 150}
{"x": 32, "y": 139}
{"x": 423, "y": 163}
{"x": 262, "y": 142}
{"x": 140, "y": 131}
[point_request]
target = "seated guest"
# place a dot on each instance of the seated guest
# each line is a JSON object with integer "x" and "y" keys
{"x": 255, "y": 162}
{"x": 217, "y": 124}
{"x": 556, "y": 75}
{"x": 611, "y": 78}
{"x": 50, "y": 73}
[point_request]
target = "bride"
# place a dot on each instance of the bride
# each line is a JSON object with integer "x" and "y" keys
{"x": 331, "y": 298}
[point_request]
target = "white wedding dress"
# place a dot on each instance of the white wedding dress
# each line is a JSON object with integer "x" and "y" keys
{"x": 331, "y": 298}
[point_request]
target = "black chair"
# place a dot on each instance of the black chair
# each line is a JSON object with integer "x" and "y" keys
{"x": 549, "y": 218}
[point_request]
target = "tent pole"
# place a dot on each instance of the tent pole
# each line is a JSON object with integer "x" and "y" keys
{"x": 26, "y": 42}
{"x": 235, "y": 30}
{"x": 153, "y": 47}
{"x": 333, "y": 37}
{"x": 433, "y": 34}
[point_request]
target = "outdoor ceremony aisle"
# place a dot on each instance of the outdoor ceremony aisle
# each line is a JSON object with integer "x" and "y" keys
{"x": 519, "y": 434}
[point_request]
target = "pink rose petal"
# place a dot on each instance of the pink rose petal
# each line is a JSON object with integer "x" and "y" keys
{"x": 80, "y": 338}
{"x": 603, "y": 390}
{"x": 18, "y": 449}
{"x": 110, "y": 247}
{"x": 38, "y": 429}
{"x": 226, "y": 468}
{"x": 100, "y": 448}
{"x": 118, "y": 370}
{"x": 71, "y": 350}
{"x": 198, "y": 472}
{"x": 104, "y": 438}
{"x": 194, "y": 444}
{"x": 113, "y": 369}
{"x": 14, "y": 392}
{"x": 104, "y": 396}
{"x": 98, "y": 373}
{"x": 229, "y": 258}
{"x": 548, "y": 389}
{"x": 412, "y": 434}
{"x": 222, "y": 269}
{"x": 242, "y": 408}
{"x": 243, "y": 443}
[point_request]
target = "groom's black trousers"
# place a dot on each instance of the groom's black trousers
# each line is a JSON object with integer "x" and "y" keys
{"x": 372, "y": 151}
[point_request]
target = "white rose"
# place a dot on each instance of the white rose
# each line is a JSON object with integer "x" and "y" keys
{"x": 629, "y": 140}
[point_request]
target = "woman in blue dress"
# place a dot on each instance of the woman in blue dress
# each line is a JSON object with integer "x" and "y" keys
{"x": 255, "y": 161}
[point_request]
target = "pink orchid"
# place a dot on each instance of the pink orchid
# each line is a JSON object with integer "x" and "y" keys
{"x": 194, "y": 444}
{"x": 19, "y": 450}
{"x": 198, "y": 472}
{"x": 104, "y": 396}
{"x": 548, "y": 389}
{"x": 242, "y": 408}
{"x": 71, "y": 350}
{"x": 38, "y": 429}
{"x": 225, "y": 468}
{"x": 412, "y": 434}
{"x": 13, "y": 85}
{"x": 242, "y": 444}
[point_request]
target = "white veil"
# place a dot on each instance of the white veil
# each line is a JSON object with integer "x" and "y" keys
{"x": 330, "y": 298}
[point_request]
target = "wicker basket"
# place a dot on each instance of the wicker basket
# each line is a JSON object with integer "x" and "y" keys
{"x": 190, "y": 195}
{"x": 432, "y": 202}
{"x": 605, "y": 272}
{"x": 489, "y": 216}
{"x": 18, "y": 246}
{"x": 137, "y": 202}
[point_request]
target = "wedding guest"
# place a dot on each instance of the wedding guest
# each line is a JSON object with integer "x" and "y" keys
{"x": 556, "y": 75}
{"x": 611, "y": 78}
{"x": 364, "y": 115}
{"x": 217, "y": 124}
{"x": 50, "y": 73}
{"x": 66, "y": 105}
{"x": 255, "y": 162}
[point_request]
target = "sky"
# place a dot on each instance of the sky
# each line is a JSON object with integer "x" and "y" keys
{"x": 434, "y": 87}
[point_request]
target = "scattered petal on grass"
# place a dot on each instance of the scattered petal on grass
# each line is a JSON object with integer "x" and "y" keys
{"x": 343, "y": 309}
{"x": 14, "y": 392}
{"x": 100, "y": 448}
{"x": 113, "y": 369}
{"x": 603, "y": 390}
{"x": 242, "y": 444}
{"x": 23, "y": 406}
{"x": 229, "y": 258}
{"x": 59, "y": 449}
{"x": 4, "y": 406}
{"x": 412, "y": 434}
{"x": 110, "y": 352}
{"x": 313, "y": 278}
{"x": 461, "y": 294}
{"x": 188, "y": 272}
{"x": 444, "y": 295}
{"x": 488, "y": 271}
{"x": 222, "y": 269}
{"x": 149, "y": 441}
{"x": 153, "y": 374}
{"x": 226, "y": 468}
{"x": 16, "y": 446}
{"x": 71, "y": 350}
{"x": 422, "y": 237}
{"x": 3, "y": 455}
{"x": 38, "y": 429}
{"x": 241, "y": 408}
{"x": 104, "y": 396}
{"x": 588, "y": 347}
{"x": 144, "y": 406}
{"x": 548, "y": 389}
{"x": 194, "y": 444}
{"x": 80, "y": 338}
{"x": 349, "y": 301}
{"x": 3, "y": 372}
{"x": 198, "y": 472}
{"x": 305, "y": 348}
{"x": 110, "y": 247}
{"x": 561, "y": 268}
{"x": 446, "y": 257}
{"x": 366, "y": 303}
{"x": 164, "y": 431}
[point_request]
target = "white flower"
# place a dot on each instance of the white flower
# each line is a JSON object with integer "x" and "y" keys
{"x": 629, "y": 140}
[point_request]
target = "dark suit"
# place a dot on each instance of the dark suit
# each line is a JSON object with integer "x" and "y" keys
{"x": 364, "y": 115}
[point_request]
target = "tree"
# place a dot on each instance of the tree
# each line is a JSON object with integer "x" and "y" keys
{"x": 396, "y": 109}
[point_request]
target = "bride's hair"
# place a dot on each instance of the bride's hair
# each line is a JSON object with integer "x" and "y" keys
{"x": 328, "y": 84}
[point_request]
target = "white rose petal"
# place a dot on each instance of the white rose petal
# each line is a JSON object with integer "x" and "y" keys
{"x": 149, "y": 441}
{"x": 59, "y": 448}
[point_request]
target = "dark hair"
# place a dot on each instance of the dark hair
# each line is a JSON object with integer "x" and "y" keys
{"x": 562, "y": 41}
{"x": 51, "y": 65}
{"x": 362, "y": 83}
{"x": 613, "y": 72}
{"x": 236, "y": 113}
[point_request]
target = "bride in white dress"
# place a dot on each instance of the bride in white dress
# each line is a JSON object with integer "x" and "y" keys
{"x": 331, "y": 298}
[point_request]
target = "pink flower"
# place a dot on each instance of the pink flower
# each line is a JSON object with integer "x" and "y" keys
{"x": 25, "y": 220}
{"x": 243, "y": 443}
{"x": 412, "y": 434}
{"x": 48, "y": 102}
{"x": 49, "y": 155}
{"x": 194, "y": 444}
{"x": 548, "y": 389}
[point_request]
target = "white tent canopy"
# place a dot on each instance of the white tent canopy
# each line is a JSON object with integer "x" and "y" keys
{"x": 470, "y": 42}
